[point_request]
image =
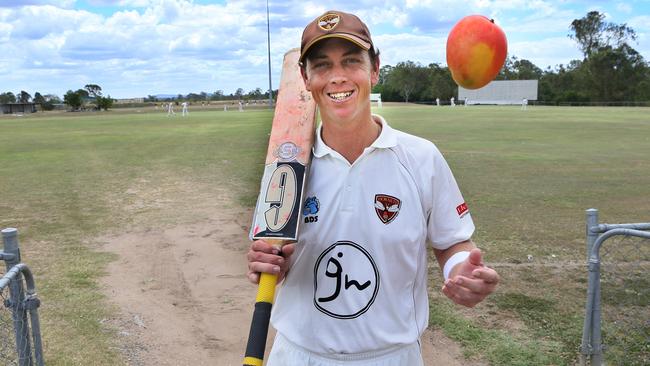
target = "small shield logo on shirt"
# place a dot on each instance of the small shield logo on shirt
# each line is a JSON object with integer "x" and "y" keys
{"x": 387, "y": 207}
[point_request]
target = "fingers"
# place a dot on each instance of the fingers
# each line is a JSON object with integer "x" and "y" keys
{"x": 476, "y": 257}
{"x": 263, "y": 257}
{"x": 288, "y": 250}
{"x": 253, "y": 277}
{"x": 469, "y": 291}
{"x": 464, "y": 293}
{"x": 461, "y": 296}
{"x": 487, "y": 274}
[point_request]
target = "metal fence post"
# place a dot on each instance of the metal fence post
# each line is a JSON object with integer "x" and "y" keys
{"x": 592, "y": 224}
{"x": 17, "y": 299}
{"x": 587, "y": 346}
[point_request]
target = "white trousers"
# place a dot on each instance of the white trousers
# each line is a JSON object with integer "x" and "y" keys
{"x": 286, "y": 353}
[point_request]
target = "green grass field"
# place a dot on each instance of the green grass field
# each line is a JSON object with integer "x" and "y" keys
{"x": 527, "y": 177}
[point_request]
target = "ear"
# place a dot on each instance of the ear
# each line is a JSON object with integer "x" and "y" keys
{"x": 305, "y": 78}
{"x": 374, "y": 73}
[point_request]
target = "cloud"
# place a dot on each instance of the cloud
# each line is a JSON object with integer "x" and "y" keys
{"x": 640, "y": 23}
{"x": 422, "y": 49}
{"x": 36, "y": 22}
{"x": 22, "y": 3}
{"x": 546, "y": 52}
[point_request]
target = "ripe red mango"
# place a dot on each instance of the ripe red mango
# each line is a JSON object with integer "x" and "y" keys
{"x": 476, "y": 51}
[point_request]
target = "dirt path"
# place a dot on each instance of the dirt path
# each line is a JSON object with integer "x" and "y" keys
{"x": 183, "y": 298}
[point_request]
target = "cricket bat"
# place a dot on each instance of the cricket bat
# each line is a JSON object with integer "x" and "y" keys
{"x": 279, "y": 204}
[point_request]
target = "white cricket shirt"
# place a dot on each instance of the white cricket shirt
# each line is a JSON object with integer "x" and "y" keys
{"x": 358, "y": 281}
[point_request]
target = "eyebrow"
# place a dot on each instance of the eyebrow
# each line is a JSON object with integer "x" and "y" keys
{"x": 353, "y": 50}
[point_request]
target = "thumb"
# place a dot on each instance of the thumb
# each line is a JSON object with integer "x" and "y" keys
{"x": 476, "y": 257}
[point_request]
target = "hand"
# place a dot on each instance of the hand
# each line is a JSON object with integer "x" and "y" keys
{"x": 263, "y": 257}
{"x": 470, "y": 281}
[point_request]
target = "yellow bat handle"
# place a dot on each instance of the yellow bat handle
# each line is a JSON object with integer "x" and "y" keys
{"x": 261, "y": 316}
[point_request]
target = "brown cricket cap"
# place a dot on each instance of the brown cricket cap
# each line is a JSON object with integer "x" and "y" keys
{"x": 335, "y": 24}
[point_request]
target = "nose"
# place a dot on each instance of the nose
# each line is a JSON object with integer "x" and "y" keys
{"x": 338, "y": 75}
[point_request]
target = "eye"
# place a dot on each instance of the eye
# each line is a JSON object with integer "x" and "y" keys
{"x": 321, "y": 65}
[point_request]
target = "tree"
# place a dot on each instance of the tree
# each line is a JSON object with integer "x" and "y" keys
{"x": 406, "y": 78}
{"x": 614, "y": 73}
{"x": 515, "y": 69}
{"x": 49, "y": 101}
{"x": 593, "y": 33}
{"x": 441, "y": 84}
{"x": 24, "y": 97}
{"x": 7, "y": 97}
{"x": 74, "y": 99}
{"x": 104, "y": 102}
{"x": 217, "y": 95}
{"x": 255, "y": 94}
{"x": 38, "y": 98}
{"x": 93, "y": 90}
{"x": 193, "y": 97}
{"x": 384, "y": 71}
{"x": 611, "y": 70}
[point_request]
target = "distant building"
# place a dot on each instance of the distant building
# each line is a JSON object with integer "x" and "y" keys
{"x": 500, "y": 92}
{"x": 14, "y": 108}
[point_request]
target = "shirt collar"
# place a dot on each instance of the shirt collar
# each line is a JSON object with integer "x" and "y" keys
{"x": 387, "y": 139}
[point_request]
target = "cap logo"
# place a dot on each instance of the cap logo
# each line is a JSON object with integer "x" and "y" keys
{"x": 328, "y": 21}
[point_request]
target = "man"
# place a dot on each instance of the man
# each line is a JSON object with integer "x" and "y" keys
{"x": 185, "y": 111}
{"x": 355, "y": 284}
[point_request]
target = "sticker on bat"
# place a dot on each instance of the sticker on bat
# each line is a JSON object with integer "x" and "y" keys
{"x": 278, "y": 207}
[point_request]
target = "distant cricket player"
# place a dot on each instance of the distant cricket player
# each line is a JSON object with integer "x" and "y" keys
{"x": 170, "y": 109}
{"x": 185, "y": 112}
{"x": 355, "y": 283}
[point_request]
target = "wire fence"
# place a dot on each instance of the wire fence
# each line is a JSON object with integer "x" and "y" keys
{"x": 20, "y": 335}
{"x": 617, "y": 317}
{"x": 8, "y": 354}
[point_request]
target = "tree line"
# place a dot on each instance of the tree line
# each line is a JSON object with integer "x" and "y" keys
{"x": 47, "y": 102}
{"x": 239, "y": 94}
{"x": 611, "y": 71}
{"x": 90, "y": 95}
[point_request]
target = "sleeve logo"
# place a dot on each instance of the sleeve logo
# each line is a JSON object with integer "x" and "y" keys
{"x": 462, "y": 209}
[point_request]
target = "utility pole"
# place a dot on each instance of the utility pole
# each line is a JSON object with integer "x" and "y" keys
{"x": 268, "y": 44}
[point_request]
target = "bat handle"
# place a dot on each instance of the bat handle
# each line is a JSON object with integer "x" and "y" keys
{"x": 260, "y": 323}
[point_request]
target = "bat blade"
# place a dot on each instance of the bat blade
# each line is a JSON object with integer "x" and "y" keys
{"x": 279, "y": 205}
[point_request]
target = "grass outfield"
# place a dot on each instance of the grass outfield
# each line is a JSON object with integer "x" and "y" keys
{"x": 527, "y": 176}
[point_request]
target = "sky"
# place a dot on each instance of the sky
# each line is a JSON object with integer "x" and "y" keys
{"x": 135, "y": 48}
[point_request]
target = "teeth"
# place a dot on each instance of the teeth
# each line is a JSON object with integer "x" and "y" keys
{"x": 340, "y": 96}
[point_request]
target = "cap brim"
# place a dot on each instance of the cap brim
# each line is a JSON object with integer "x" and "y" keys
{"x": 348, "y": 37}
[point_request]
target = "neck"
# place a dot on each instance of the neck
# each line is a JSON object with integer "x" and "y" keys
{"x": 350, "y": 139}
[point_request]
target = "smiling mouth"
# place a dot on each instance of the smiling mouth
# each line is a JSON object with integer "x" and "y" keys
{"x": 340, "y": 96}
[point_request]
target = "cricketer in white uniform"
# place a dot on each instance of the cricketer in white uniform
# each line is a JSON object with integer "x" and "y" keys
{"x": 356, "y": 290}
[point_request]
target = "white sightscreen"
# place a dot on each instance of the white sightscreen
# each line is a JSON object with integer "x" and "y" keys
{"x": 500, "y": 92}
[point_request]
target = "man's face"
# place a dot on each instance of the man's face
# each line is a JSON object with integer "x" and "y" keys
{"x": 340, "y": 76}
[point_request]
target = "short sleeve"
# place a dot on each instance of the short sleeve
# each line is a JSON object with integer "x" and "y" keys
{"x": 449, "y": 221}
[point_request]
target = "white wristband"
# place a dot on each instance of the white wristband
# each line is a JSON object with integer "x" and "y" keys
{"x": 453, "y": 261}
